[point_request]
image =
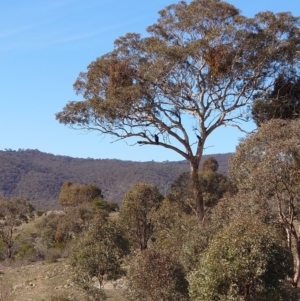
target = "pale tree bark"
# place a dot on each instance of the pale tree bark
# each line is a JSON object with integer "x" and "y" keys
{"x": 287, "y": 220}
{"x": 297, "y": 260}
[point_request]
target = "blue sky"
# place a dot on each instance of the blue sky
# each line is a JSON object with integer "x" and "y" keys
{"x": 44, "y": 44}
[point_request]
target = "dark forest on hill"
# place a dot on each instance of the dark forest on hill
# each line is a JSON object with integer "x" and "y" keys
{"x": 40, "y": 175}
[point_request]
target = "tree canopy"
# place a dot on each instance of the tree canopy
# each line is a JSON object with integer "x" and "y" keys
{"x": 73, "y": 194}
{"x": 135, "y": 211}
{"x": 99, "y": 255}
{"x": 265, "y": 168}
{"x": 282, "y": 102}
{"x": 13, "y": 212}
{"x": 198, "y": 69}
{"x": 245, "y": 261}
{"x": 164, "y": 279}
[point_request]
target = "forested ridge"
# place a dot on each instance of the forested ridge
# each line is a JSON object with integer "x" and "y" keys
{"x": 40, "y": 175}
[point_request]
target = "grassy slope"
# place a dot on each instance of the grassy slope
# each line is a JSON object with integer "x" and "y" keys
{"x": 39, "y": 281}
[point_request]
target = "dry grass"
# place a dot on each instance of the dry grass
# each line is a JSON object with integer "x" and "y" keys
{"x": 5, "y": 291}
{"x": 41, "y": 281}
{"x": 44, "y": 280}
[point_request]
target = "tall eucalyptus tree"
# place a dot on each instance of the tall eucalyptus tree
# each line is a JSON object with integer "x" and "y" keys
{"x": 197, "y": 70}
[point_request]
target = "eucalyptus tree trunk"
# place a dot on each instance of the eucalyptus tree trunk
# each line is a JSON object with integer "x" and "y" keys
{"x": 198, "y": 196}
{"x": 296, "y": 258}
{"x": 9, "y": 252}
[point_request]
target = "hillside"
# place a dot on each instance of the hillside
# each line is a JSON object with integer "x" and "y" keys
{"x": 40, "y": 175}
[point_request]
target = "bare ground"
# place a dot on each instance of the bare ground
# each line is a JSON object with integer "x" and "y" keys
{"x": 40, "y": 281}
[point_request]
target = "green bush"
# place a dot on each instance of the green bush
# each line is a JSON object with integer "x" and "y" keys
{"x": 26, "y": 251}
{"x": 245, "y": 261}
{"x": 156, "y": 275}
{"x": 39, "y": 213}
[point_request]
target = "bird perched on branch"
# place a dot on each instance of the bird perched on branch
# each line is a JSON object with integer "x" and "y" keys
{"x": 199, "y": 138}
{"x": 156, "y": 139}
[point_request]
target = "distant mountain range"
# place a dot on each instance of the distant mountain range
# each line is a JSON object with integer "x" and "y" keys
{"x": 40, "y": 175}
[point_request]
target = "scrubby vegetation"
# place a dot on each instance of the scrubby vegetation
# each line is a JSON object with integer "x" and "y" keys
{"x": 205, "y": 235}
{"x": 156, "y": 245}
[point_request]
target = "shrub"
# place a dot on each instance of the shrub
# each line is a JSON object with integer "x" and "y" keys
{"x": 39, "y": 213}
{"x": 245, "y": 261}
{"x": 98, "y": 257}
{"x": 26, "y": 251}
{"x": 156, "y": 275}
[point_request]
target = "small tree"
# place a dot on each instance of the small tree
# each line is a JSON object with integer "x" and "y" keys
{"x": 245, "y": 261}
{"x": 134, "y": 216}
{"x": 210, "y": 164}
{"x": 57, "y": 229}
{"x": 13, "y": 212}
{"x": 73, "y": 194}
{"x": 213, "y": 186}
{"x": 175, "y": 222}
{"x": 156, "y": 275}
{"x": 266, "y": 169}
{"x": 99, "y": 255}
{"x": 177, "y": 231}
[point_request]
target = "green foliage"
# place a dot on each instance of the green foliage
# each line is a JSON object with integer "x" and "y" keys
{"x": 156, "y": 275}
{"x": 2, "y": 250}
{"x": 175, "y": 222}
{"x": 212, "y": 184}
{"x": 245, "y": 261}
{"x": 98, "y": 255}
{"x": 266, "y": 162}
{"x": 176, "y": 229}
{"x": 108, "y": 206}
{"x": 266, "y": 170}
{"x": 39, "y": 213}
{"x": 282, "y": 102}
{"x": 135, "y": 213}
{"x": 25, "y": 250}
{"x": 181, "y": 194}
{"x": 49, "y": 226}
{"x": 57, "y": 229}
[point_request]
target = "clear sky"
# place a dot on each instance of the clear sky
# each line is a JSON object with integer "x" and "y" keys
{"x": 44, "y": 44}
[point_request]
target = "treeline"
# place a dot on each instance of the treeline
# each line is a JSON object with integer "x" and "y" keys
{"x": 40, "y": 176}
